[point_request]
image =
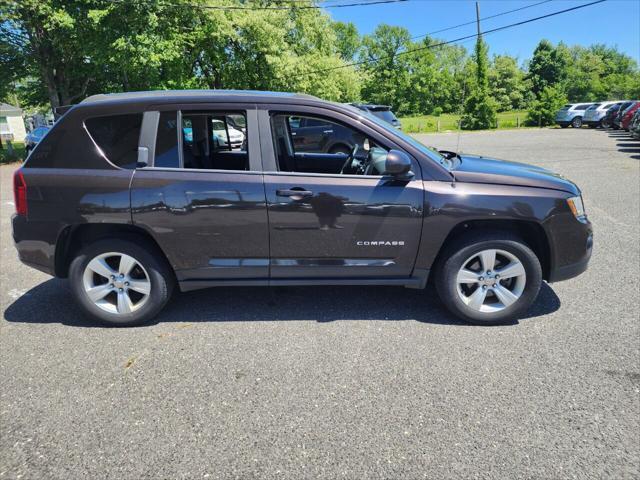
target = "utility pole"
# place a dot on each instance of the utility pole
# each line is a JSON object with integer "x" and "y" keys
{"x": 478, "y": 17}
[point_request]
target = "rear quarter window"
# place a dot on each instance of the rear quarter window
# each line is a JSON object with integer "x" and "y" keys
{"x": 117, "y": 136}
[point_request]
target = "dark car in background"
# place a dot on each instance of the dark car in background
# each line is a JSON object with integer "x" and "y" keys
{"x": 617, "y": 119}
{"x": 33, "y": 137}
{"x": 114, "y": 199}
{"x": 383, "y": 112}
{"x": 609, "y": 117}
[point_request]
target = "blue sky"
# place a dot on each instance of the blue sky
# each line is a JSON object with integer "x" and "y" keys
{"x": 614, "y": 22}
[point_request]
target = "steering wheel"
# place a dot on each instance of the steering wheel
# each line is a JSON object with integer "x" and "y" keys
{"x": 350, "y": 158}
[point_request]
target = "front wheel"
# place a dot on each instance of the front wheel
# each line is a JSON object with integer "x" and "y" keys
{"x": 489, "y": 278}
{"x": 120, "y": 283}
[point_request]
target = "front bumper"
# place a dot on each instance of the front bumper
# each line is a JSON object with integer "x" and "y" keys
{"x": 571, "y": 247}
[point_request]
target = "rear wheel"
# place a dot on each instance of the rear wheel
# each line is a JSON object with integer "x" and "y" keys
{"x": 576, "y": 122}
{"x": 489, "y": 278}
{"x": 120, "y": 283}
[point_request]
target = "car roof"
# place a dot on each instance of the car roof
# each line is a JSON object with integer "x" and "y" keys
{"x": 170, "y": 96}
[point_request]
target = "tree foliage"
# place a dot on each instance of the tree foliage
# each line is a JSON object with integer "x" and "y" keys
{"x": 543, "y": 109}
{"x": 479, "y": 108}
{"x": 56, "y": 52}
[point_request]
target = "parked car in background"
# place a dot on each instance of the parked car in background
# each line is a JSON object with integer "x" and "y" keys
{"x": 223, "y": 133}
{"x": 33, "y": 137}
{"x": 618, "y": 117}
{"x": 634, "y": 126}
{"x": 594, "y": 115}
{"x": 625, "y": 120}
{"x": 381, "y": 111}
{"x": 572, "y": 114}
{"x": 146, "y": 211}
{"x": 610, "y": 115}
{"x": 313, "y": 134}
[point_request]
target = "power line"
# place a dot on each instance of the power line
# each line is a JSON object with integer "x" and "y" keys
{"x": 483, "y": 18}
{"x": 276, "y": 7}
{"x": 456, "y": 40}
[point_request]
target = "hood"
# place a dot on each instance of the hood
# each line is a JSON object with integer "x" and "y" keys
{"x": 476, "y": 169}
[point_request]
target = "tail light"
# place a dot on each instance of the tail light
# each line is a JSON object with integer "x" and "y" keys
{"x": 20, "y": 192}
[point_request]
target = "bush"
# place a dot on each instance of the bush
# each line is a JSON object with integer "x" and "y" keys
{"x": 543, "y": 110}
{"x": 479, "y": 112}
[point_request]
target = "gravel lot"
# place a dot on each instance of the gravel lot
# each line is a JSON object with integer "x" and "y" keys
{"x": 341, "y": 382}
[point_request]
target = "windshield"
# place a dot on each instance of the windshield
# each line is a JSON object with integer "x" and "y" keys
{"x": 430, "y": 152}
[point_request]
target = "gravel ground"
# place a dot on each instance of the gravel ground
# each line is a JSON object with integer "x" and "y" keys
{"x": 341, "y": 382}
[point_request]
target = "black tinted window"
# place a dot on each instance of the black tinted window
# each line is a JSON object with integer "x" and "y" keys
{"x": 581, "y": 107}
{"x": 117, "y": 136}
{"x": 167, "y": 141}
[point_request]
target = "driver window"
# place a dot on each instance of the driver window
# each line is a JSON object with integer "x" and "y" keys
{"x": 311, "y": 144}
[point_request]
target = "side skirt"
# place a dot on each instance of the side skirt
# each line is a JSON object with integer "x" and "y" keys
{"x": 418, "y": 281}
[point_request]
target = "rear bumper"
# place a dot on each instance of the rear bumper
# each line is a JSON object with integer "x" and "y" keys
{"x": 35, "y": 248}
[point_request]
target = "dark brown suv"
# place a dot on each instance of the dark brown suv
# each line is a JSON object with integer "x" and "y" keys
{"x": 130, "y": 195}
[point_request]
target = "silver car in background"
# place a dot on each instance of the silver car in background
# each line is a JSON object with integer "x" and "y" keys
{"x": 595, "y": 113}
{"x": 572, "y": 114}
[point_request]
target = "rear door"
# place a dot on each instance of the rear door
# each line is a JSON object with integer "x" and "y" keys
{"x": 203, "y": 203}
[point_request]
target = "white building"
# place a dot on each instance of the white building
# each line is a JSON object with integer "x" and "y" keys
{"x": 11, "y": 123}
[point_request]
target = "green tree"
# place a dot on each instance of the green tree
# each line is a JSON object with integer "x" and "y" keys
{"x": 348, "y": 40}
{"x": 479, "y": 108}
{"x": 387, "y": 74}
{"x": 507, "y": 84}
{"x": 543, "y": 110}
{"x": 548, "y": 66}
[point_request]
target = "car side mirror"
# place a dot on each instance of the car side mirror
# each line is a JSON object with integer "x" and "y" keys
{"x": 397, "y": 164}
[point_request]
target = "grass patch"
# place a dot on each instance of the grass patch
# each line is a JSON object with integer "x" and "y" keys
{"x": 449, "y": 121}
{"x": 18, "y": 155}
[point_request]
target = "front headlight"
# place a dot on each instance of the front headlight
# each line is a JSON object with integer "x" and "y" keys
{"x": 576, "y": 206}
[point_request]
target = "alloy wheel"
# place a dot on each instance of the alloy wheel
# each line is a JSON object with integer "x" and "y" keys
{"x": 491, "y": 280}
{"x": 116, "y": 283}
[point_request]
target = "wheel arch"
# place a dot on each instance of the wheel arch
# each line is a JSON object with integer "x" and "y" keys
{"x": 75, "y": 237}
{"x": 531, "y": 233}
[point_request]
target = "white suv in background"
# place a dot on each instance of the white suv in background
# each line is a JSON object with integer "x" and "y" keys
{"x": 572, "y": 114}
{"x": 595, "y": 113}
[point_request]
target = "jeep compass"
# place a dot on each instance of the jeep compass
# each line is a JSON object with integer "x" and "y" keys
{"x": 130, "y": 196}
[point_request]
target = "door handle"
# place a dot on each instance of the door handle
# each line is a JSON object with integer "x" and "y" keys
{"x": 327, "y": 131}
{"x": 294, "y": 192}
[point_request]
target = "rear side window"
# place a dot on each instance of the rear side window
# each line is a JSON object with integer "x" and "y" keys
{"x": 118, "y": 137}
{"x": 581, "y": 107}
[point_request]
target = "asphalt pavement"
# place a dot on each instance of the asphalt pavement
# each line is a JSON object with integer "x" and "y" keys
{"x": 341, "y": 382}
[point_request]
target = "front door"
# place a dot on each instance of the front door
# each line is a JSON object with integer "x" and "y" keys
{"x": 349, "y": 223}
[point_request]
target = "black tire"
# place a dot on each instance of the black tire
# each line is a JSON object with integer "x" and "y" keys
{"x": 451, "y": 262}
{"x": 576, "y": 122}
{"x": 161, "y": 277}
{"x": 605, "y": 124}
